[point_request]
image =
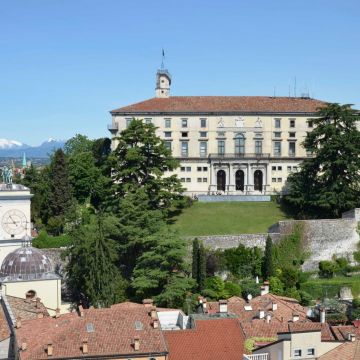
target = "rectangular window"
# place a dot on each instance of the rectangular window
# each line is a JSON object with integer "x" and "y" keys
{"x": 258, "y": 147}
{"x": 184, "y": 148}
{"x": 128, "y": 122}
{"x": 184, "y": 123}
{"x": 277, "y": 123}
{"x": 184, "y": 134}
{"x": 148, "y": 121}
{"x": 297, "y": 353}
{"x": 277, "y": 134}
{"x": 203, "y": 123}
{"x": 273, "y": 179}
{"x": 311, "y": 351}
{"x": 188, "y": 168}
{"x": 279, "y": 168}
{"x": 182, "y": 179}
{"x": 292, "y": 146}
{"x": 203, "y": 148}
{"x": 292, "y": 134}
{"x": 279, "y": 180}
{"x": 295, "y": 168}
{"x": 182, "y": 168}
{"x": 273, "y": 168}
{"x": 188, "y": 179}
{"x": 168, "y": 123}
{"x": 205, "y": 168}
{"x": 292, "y": 123}
{"x": 168, "y": 145}
{"x": 289, "y": 168}
{"x": 203, "y": 134}
{"x": 277, "y": 148}
{"x": 204, "y": 179}
{"x": 199, "y": 168}
{"x": 167, "y": 134}
{"x": 310, "y": 123}
{"x": 221, "y": 147}
{"x": 199, "y": 179}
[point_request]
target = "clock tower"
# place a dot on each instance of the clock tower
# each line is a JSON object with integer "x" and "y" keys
{"x": 15, "y": 221}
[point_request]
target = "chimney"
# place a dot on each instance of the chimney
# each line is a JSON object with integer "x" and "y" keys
{"x": 322, "y": 315}
{"x": 38, "y": 303}
{"x": 265, "y": 288}
{"x": 39, "y": 314}
{"x": 57, "y": 313}
{"x": 148, "y": 302}
{"x": 136, "y": 344}
{"x": 155, "y": 323}
{"x": 200, "y": 300}
{"x": 351, "y": 337}
{"x": 223, "y": 306}
{"x": 153, "y": 313}
{"x": 204, "y": 304}
{"x": 23, "y": 346}
{"x": 49, "y": 349}
{"x": 18, "y": 323}
{"x": 261, "y": 313}
{"x": 274, "y": 306}
{"x": 81, "y": 310}
{"x": 295, "y": 317}
{"x": 84, "y": 347}
{"x": 268, "y": 318}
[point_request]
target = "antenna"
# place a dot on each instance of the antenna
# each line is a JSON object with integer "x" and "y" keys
{"x": 295, "y": 87}
{"x": 162, "y": 59}
{"x": 274, "y": 91}
{"x": 289, "y": 91}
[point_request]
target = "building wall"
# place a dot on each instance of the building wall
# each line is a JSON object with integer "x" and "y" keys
{"x": 49, "y": 291}
{"x": 5, "y": 348}
{"x": 227, "y": 128}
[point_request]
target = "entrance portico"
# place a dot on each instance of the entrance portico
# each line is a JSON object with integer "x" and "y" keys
{"x": 239, "y": 177}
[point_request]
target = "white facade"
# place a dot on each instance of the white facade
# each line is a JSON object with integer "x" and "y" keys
{"x": 15, "y": 220}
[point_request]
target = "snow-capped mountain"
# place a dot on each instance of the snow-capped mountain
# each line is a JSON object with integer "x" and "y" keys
{"x": 13, "y": 148}
{"x": 12, "y": 144}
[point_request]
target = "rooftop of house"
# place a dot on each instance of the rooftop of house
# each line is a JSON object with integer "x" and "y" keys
{"x": 26, "y": 309}
{"x": 211, "y": 339}
{"x": 125, "y": 329}
{"x": 4, "y": 326}
{"x": 223, "y": 104}
{"x": 347, "y": 351}
{"x": 342, "y": 332}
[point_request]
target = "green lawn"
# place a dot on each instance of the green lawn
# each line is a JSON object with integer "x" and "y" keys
{"x": 222, "y": 218}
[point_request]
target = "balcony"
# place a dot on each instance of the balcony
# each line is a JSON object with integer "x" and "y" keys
{"x": 239, "y": 156}
{"x": 113, "y": 128}
{"x": 256, "y": 357}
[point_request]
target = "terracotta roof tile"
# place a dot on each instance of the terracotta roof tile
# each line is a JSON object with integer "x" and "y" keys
{"x": 26, "y": 309}
{"x": 109, "y": 331}
{"x": 206, "y": 104}
{"x": 4, "y": 326}
{"x": 213, "y": 339}
{"x": 347, "y": 351}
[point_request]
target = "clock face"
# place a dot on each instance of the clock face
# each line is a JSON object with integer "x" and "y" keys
{"x": 14, "y": 222}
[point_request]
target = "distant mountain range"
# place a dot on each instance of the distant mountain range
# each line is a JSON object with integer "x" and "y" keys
{"x": 15, "y": 149}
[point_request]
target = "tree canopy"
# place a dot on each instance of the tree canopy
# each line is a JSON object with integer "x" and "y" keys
{"x": 328, "y": 182}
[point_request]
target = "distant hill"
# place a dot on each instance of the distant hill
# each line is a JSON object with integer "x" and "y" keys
{"x": 15, "y": 149}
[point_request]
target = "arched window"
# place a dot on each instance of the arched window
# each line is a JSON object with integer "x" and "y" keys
{"x": 240, "y": 144}
{"x": 31, "y": 294}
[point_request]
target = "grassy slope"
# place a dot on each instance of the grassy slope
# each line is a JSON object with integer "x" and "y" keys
{"x": 228, "y": 218}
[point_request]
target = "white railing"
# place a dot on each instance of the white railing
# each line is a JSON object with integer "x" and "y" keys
{"x": 256, "y": 357}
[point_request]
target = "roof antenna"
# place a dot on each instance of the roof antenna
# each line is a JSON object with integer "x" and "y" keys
{"x": 289, "y": 91}
{"x": 162, "y": 59}
{"x": 295, "y": 87}
{"x": 274, "y": 91}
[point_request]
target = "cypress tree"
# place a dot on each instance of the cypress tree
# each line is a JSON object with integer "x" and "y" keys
{"x": 195, "y": 259}
{"x": 268, "y": 259}
{"x": 199, "y": 264}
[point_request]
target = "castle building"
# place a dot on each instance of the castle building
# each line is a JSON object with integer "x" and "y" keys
{"x": 235, "y": 145}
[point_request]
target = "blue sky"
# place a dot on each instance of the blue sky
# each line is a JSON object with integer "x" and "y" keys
{"x": 65, "y": 63}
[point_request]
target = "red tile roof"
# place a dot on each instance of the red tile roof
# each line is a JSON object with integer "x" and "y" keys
{"x": 346, "y": 351}
{"x": 341, "y": 331}
{"x": 213, "y": 339}
{"x": 4, "y": 326}
{"x": 223, "y": 104}
{"x": 112, "y": 333}
{"x": 26, "y": 309}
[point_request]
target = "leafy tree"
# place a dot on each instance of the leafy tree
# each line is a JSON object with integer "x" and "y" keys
{"x": 268, "y": 270}
{"x": 355, "y": 309}
{"x": 327, "y": 268}
{"x": 161, "y": 267}
{"x": 329, "y": 182}
{"x": 276, "y": 286}
{"x": 215, "y": 288}
{"x": 249, "y": 287}
{"x": 60, "y": 199}
{"x": 140, "y": 161}
{"x": 92, "y": 273}
{"x": 199, "y": 264}
{"x": 77, "y": 145}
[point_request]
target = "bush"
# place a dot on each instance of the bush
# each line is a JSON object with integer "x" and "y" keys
{"x": 305, "y": 298}
{"x": 214, "y": 288}
{"x": 45, "y": 241}
{"x": 276, "y": 286}
{"x": 327, "y": 269}
{"x": 249, "y": 287}
{"x": 232, "y": 289}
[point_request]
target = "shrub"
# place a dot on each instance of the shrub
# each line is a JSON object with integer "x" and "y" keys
{"x": 214, "y": 288}
{"x": 249, "y": 287}
{"x": 44, "y": 241}
{"x": 305, "y": 298}
{"x": 232, "y": 289}
{"x": 276, "y": 286}
{"x": 327, "y": 269}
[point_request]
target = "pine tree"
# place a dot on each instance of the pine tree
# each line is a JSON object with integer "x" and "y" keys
{"x": 92, "y": 272}
{"x": 268, "y": 259}
{"x": 329, "y": 182}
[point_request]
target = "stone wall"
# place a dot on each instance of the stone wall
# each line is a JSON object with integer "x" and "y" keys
{"x": 322, "y": 238}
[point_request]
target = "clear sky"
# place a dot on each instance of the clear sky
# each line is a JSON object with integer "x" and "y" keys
{"x": 65, "y": 63}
